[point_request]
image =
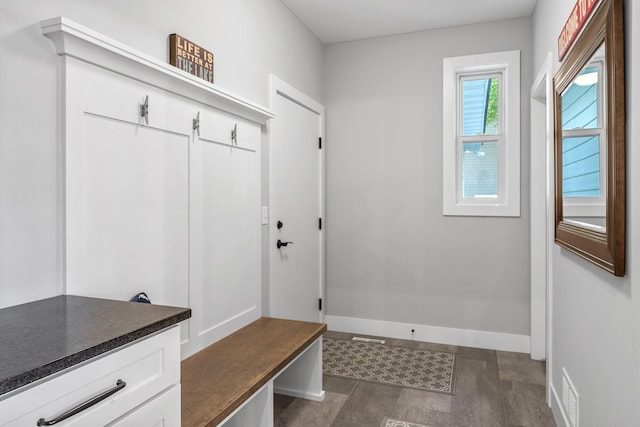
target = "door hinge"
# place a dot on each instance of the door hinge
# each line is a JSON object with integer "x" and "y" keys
{"x": 320, "y": 304}
{"x": 320, "y": 143}
{"x": 319, "y": 223}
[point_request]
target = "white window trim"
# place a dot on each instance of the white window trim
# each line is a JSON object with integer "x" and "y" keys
{"x": 508, "y": 201}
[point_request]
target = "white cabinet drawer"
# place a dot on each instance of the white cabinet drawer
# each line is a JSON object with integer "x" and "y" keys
{"x": 148, "y": 367}
{"x": 162, "y": 411}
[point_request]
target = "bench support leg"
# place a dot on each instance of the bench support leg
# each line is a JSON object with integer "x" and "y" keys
{"x": 257, "y": 411}
{"x": 303, "y": 376}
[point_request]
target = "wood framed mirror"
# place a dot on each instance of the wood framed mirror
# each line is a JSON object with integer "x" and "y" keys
{"x": 589, "y": 105}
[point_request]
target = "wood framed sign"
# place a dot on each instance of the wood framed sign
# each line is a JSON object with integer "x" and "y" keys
{"x": 190, "y": 57}
{"x": 579, "y": 15}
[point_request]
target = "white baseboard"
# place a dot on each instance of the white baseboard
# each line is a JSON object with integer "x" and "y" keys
{"x": 302, "y": 395}
{"x": 436, "y": 334}
{"x": 558, "y": 408}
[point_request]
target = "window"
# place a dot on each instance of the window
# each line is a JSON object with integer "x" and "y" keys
{"x": 481, "y": 135}
{"x": 583, "y": 139}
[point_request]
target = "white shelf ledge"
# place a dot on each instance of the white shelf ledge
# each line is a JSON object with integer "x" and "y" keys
{"x": 74, "y": 40}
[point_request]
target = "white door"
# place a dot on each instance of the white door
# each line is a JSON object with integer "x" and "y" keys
{"x": 296, "y": 199}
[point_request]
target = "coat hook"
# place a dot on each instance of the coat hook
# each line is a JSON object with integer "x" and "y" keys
{"x": 144, "y": 110}
{"x": 196, "y": 124}
{"x": 234, "y": 134}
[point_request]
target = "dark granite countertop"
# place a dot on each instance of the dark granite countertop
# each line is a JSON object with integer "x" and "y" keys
{"x": 41, "y": 338}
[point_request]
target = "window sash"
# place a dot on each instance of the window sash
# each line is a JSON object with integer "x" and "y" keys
{"x": 500, "y": 197}
{"x": 497, "y": 137}
{"x": 464, "y": 77}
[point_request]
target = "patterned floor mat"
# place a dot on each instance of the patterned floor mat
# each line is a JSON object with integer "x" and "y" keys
{"x": 388, "y": 422}
{"x": 402, "y": 366}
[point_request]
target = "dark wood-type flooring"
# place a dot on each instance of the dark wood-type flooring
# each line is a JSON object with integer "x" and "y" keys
{"x": 493, "y": 389}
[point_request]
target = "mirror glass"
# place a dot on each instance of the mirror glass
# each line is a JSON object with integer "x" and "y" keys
{"x": 584, "y": 142}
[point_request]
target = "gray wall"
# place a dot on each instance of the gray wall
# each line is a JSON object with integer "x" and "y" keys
{"x": 391, "y": 254}
{"x": 250, "y": 39}
{"x": 596, "y": 316}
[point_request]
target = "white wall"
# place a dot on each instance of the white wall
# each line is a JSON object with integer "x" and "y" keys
{"x": 391, "y": 254}
{"x": 250, "y": 39}
{"x": 596, "y": 316}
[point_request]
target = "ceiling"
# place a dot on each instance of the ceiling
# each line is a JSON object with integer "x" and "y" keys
{"x": 336, "y": 21}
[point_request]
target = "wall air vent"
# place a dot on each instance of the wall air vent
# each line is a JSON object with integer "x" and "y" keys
{"x": 569, "y": 399}
{"x": 371, "y": 340}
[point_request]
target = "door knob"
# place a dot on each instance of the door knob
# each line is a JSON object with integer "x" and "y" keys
{"x": 280, "y": 244}
{"x": 279, "y": 225}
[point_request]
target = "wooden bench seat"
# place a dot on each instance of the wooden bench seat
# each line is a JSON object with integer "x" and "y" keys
{"x": 218, "y": 379}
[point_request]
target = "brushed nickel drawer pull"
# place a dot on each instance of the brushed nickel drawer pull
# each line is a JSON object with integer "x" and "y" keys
{"x": 81, "y": 407}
